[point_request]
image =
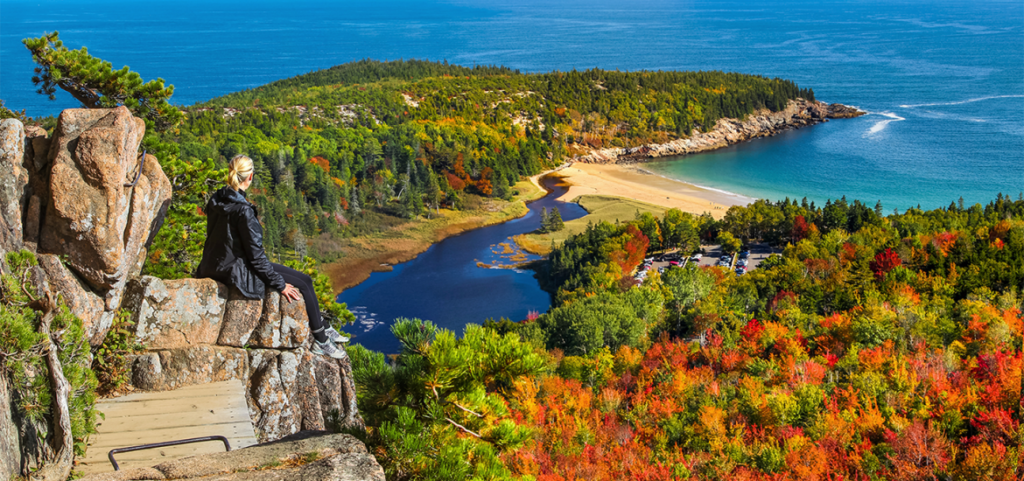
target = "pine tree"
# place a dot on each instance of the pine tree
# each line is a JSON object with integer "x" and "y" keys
{"x": 96, "y": 84}
{"x": 545, "y": 222}
{"x": 437, "y": 403}
{"x": 434, "y": 192}
{"x": 555, "y": 223}
{"x": 412, "y": 203}
{"x": 353, "y": 204}
{"x": 878, "y": 208}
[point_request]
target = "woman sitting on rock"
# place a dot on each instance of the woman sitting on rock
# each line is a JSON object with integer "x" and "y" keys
{"x": 233, "y": 254}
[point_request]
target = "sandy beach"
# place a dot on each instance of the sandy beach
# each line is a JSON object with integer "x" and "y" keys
{"x": 631, "y": 181}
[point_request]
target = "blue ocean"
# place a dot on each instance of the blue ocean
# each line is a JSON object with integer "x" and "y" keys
{"x": 943, "y": 83}
{"x": 943, "y": 80}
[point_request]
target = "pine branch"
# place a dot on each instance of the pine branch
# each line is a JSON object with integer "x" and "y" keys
{"x": 463, "y": 428}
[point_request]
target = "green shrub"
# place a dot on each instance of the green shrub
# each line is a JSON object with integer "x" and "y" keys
{"x": 22, "y": 350}
{"x": 110, "y": 362}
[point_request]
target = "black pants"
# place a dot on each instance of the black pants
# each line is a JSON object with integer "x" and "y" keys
{"x": 304, "y": 284}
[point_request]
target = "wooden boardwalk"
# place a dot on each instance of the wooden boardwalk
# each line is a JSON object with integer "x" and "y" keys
{"x": 205, "y": 410}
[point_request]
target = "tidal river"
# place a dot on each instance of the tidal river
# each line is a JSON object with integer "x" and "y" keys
{"x": 445, "y": 284}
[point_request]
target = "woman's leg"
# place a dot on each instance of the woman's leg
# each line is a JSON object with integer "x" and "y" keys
{"x": 304, "y": 284}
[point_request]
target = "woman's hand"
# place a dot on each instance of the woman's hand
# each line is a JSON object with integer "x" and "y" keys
{"x": 291, "y": 293}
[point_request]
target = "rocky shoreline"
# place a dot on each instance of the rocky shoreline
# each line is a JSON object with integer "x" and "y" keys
{"x": 763, "y": 123}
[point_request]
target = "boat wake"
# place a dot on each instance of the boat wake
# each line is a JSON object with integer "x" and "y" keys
{"x": 882, "y": 124}
{"x": 961, "y": 102}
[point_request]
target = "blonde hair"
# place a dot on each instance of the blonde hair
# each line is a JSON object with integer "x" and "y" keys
{"x": 239, "y": 169}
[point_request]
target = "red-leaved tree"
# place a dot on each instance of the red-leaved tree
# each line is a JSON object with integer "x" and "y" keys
{"x": 885, "y": 262}
{"x": 800, "y": 228}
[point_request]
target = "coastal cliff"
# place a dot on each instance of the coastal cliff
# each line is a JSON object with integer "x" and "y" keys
{"x": 763, "y": 123}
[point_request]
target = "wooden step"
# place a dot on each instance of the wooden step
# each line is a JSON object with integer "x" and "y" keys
{"x": 216, "y": 409}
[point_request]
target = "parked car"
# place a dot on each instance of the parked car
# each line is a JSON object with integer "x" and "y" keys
{"x": 744, "y": 254}
{"x": 742, "y": 262}
{"x": 740, "y": 271}
{"x": 697, "y": 257}
{"x": 673, "y": 263}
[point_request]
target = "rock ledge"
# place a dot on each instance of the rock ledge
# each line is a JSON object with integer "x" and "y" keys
{"x": 304, "y": 455}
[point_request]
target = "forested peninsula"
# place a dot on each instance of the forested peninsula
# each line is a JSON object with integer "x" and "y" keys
{"x": 370, "y": 162}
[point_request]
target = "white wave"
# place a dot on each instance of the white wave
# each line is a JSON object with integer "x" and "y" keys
{"x": 882, "y": 124}
{"x": 961, "y": 102}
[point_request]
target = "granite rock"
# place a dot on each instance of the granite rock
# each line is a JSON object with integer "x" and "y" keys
{"x": 92, "y": 216}
{"x": 333, "y": 457}
{"x": 176, "y": 313}
{"x": 240, "y": 318}
{"x": 10, "y": 441}
{"x": 269, "y": 392}
{"x": 337, "y": 393}
{"x": 37, "y": 148}
{"x": 176, "y": 368}
{"x": 13, "y": 179}
{"x": 81, "y": 300}
{"x": 283, "y": 325}
{"x": 762, "y": 123}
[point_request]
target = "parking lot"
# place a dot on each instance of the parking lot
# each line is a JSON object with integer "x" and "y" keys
{"x": 711, "y": 255}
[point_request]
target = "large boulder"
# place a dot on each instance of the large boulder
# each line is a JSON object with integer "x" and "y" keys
{"x": 96, "y": 216}
{"x": 80, "y": 298}
{"x": 13, "y": 179}
{"x": 188, "y": 366}
{"x": 306, "y": 455}
{"x": 176, "y": 314}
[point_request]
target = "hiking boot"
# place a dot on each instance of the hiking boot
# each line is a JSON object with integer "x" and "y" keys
{"x": 335, "y": 336}
{"x": 328, "y": 349}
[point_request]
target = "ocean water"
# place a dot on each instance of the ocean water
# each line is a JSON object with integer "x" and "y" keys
{"x": 943, "y": 80}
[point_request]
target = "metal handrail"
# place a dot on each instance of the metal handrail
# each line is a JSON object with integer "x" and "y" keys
{"x": 110, "y": 455}
{"x": 138, "y": 174}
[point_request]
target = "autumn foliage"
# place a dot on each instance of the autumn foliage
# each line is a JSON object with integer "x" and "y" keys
{"x": 885, "y": 262}
{"x": 878, "y": 354}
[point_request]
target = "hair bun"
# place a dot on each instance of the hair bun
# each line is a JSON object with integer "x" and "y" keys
{"x": 238, "y": 171}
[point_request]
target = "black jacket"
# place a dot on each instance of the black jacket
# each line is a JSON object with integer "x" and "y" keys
{"x": 233, "y": 253}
